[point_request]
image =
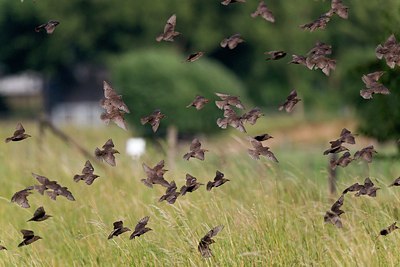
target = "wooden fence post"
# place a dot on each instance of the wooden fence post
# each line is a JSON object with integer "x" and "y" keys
{"x": 332, "y": 175}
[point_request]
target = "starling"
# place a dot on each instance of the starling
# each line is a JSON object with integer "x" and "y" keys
{"x": 49, "y": 27}
{"x": 333, "y": 215}
{"x": 390, "y": 50}
{"x": 290, "y": 102}
{"x": 29, "y": 237}
{"x": 343, "y": 161}
{"x": 252, "y": 116}
{"x": 198, "y": 102}
{"x": 339, "y": 9}
{"x": 3, "y": 247}
{"x": 118, "y": 229}
{"x": 232, "y": 119}
{"x": 18, "y": 135}
{"x": 87, "y": 174}
{"x": 262, "y": 137}
{"x": 153, "y": 119}
{"x": 232, "y": 41}
{"x": 169, "y": 30}
{"x": 319, "y": 23}
{"x": 206, "y": 241}
{"x": 367, "y": 188}
{"x": 366, "y": 153}
{"x": 195, "y": 151}
{"x": 116, "y": 116}
{"x": 107, "y": 154}
{"x": 260, "y": 150}
{"x": 227, "y": 2}
{"x": 194, "y": 56}
{"x": 39, "y": 215}
{"x": 297, "y": 59}
{"x": 353, "y": 188}
{"x": 56, "y": 189}
{"x": 20, "y": 197}
{"x": 396, "y": 182}
{"x": 112, "y": 100}
{"x": 140, "y": 228}
{"x": 389, "y": 229}
{"x": 336, "y": 146}
{"x": 170, "y": 195}
{"x": 191, "y": 185}
{"x": 155, "y": 175}
{"x": 218, "y": 181}
{"x": 347, "y": 137}
{"x": 275, "y": 55}
{"x": 373, "y": 86}
{"x": 228, "y": 100}
{"x": 264, "y": 12}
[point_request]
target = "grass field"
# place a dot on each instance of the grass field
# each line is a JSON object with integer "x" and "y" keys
{"x": 272, "y": 213}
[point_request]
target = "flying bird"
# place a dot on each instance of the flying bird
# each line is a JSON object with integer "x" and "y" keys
{"x": 231, "y": 119}
{"x": 21, "y": 197}
{"x": 153, "y": 119}
{"x": 28, "y": 238}
{"x": 199, "y": 102}
{"x": 52, "y": 188}
{"x": 191, "y": 185}
{"x": 114, "y": 106}
{"x": 227, "y": 2}
{"x": 170, "y": 195}
{"x": 389, "y": 229}
{"x": 319, "y": 23}
{"x": 228, "y": 100}
{"x": 396, "y": 182}
{"x": 169, "y": 30}
{"x": 367, "y": 188}
{"x": 141, "y": 228}
{"x": 343, "y": 161}
{"x": 290, "y": 102}
{"x": 2, "y": 247}
{"x": 262, "y": 137}
{"x": 206, "y": 241}
{"x": 260, "y": 150}
{"x": 194, "y": 56}
{"x": 155, "y": 175}
{"x": 107, "y": 153}
{"x": 263, "y": 11}
{"x": 252, "y": 116}
{"x": 232, "y": 41}
{"x": 49, "y": 27}
{"x": 39, "y": 215}
{"x": 366, "y": 153}
{"x": 390, "y": 51}
{"x": 195, "y": 151}
{"x": 333, "y": 215}
{"x": 18, "y": 135}
{"x": 118, "y": 229}
{"x": 336, "y": 146}
{"x": 275, "y": 55}
{"x": 218, "y": 181}
{"x": 87, "y": 174}
{"x": 339, "y": 9}
{"x": 373, "y": 86}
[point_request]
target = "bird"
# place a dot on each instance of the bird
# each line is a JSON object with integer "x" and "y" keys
{"x": 116, "y": 116}
{"x": 107, "y": 154}
{"x": 389, "y": 229}
{"x": 49, "y": 27}
{"x": 114, "y": 106}
{"x": 252, "y": 116}
{"x": 262, "y": 137}
{"x": 206, "y": 241}
{"x": 2, "y": 247}
{"x": 231, "y": 119}
{"x": 195, "y": 151}
{"x": 28, "y": 238}
{"x": 228, "y": 100}
{"x": 18, "y": 135}
{"x": 218, "y": 180}
{"x": 366, "y": 153}
{"x": 155, "y": 175}
{"x": 170, "y": 195}
{"x": 232, "y": 41}
{"x": 396, "y": 182}
{"x": 169, "y": 30}
{"x": 347, "y": 137}
{"x": 367, "y": 188}
{"x": 290, "y": 102}
{"x": 153, "y": 119}
{"x": 227, "y": 2}
{"x": 339, "y": 9}
{"x": 118, "y": 229}
{"x": 353, "y": 188}
{"x": 260, "y": 150}
{"x": 275, "y": 55}
{"x": 199, "y": 102}
{"x": 87, "y": 174}
{"x": 263, "y": 11}
{"x": 194, "y": 56}
{"x": 21, "y": 197}
{"x": 333, "y": 215}
{"x": 39, "y": 215}
{"x": 390, "y": 51}
{"x": 373, "y": 86}
{"x": 52, "y": 188}
{"x": 343, "y": 161}
{"x": 141, "y": 228}
{"x": 320, "y": 23}
{"x": 336, "y": 146}
{"x": 191, "y": 185}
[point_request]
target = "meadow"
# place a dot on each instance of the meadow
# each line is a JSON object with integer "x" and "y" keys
{"x": 272, "y": 213}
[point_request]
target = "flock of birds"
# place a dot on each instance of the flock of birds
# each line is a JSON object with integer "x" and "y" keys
{"x": 115, "y": 108}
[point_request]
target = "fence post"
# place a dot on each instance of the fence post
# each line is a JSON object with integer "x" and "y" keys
{"x": 332, "y": 175}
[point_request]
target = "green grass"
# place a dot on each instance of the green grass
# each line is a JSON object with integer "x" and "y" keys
{"x": 272, "y": 213}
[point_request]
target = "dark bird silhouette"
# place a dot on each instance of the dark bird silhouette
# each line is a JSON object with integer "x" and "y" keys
{"x": 396, "y": 182}
{"x": 191, "y": 185}
{"x": 262, "y": 137}
{"x": 227, "y": 2}
{"x": 333, "y": 215}
{"x": 87, "y": 174}
{"x": 227, "y": 100}
{"x": 194, "y": 56}
{"x": 206, "y": 241}
{"x": 218, "y": 181}
{"x": 232, "y": 41}
{"x": 263, "y": 11}
{"x": 52, "y": 188}
{"x": 343, "y": 161}
{"x": 195, "y": 151}
{"x": 390, "y": 51}
{"x": 141, "y": 228}
{"x": 367, "y": 188}
{"x": 275, "y": 55}
{"x": 260, "y": 150}
{"x": 2, "y": 247}
{"x": 21, "y": 197}
{"x": 366, "y": 153}
{"x": 389, "y": 229}
{"x": 153, "y": 119}
{"x": 107, "y": 154}
{"x": 373, "y": 86}
{"x": 169, "y": 30}
{"x": 319, "y": 23}
{"x": 118, "y": 229}
{"x": 336, "y": 146}
{"x": 290, "y": 102}
{"x": 353, "y": 188}
{"x": 155, "y": 175}
{"x": 170, "y": 195}
{"x": 199, "y": 102}
{"x": 231, "y": 119}
{"x": 18, "y": 135}
{"x": 28, "y": 238}
{"x": 39, "y": 215}
{"x": 347, "y": 137}
{"x": 252, "y": 116}
{"x": 49, "y": 27}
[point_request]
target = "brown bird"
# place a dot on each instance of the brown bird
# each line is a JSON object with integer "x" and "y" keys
{"x": 227, "y": 2}
{"x": 56, "y": 189}
{"x": 290, "y": 102}
{"x": 116, "y": 116}
{"x": 343, "y": 161}
{"x": 264, "y": 12}
{"x": 231, "y": 119}
{"x": 107, "y": 154}
{"x": 21, "y": 197}
{"x": 169, "y": 30}
{"x": 155, "y": 175}
{"x": 18, "y": 135}
{"x": 191, "y": 185}
{"x": 389, "y": 229}
{"x": 87, "y": 174}
{"x": 2, "y": 247}
{"x": 353, "y": 188}
{"x": 232, "y": 42}
{"x": 195, "y": 151}
{"x": 367, "y": 188}
{"x": 297, "y": 59}
{"x": 390, "y": 50}
{"x": 252, "y": 116}
{"x": 366, "y": 153}
{"x": 28, "y": 238}
{"x": 49, "y": 27}
{"x": 275, "y": 55}
{"x": 228, "y": 100}
{"x": 333, "y": 215}
{"x": 140, "y": 228}
{"x": 347, "y": 137}
{"x": 153, "y": 119}
{"x": 199, "y": 102}
{"x": 112, "y": 100}
{"x": 118, "y": 229}
{"x": 218, "y": 181}
{"x": 262, "y": 137}
{"x": 170, "y": 195}
{"x": 373, "y": 86}
{"x": 39, "y": 215}
{"x": 319, "y": 23}
{"x": 260, "y": 150}
{"x": 339, "y": 9}
{"x": 194, "y": 56}
{"x": 396, "y": 182}
{"x": 206, "y": 241}
{"x": 336, "y": 146}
